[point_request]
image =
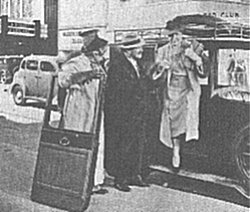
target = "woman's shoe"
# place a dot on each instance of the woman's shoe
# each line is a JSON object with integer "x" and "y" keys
{"x": 176, "y": 160}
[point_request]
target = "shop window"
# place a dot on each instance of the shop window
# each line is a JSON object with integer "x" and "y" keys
{"x": 27, "y": 8}
{"x": 17, "y": 8}
{"x": 4, "y": 7}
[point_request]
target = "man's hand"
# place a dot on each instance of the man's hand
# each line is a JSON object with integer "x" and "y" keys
{"x": 85, "y": 76}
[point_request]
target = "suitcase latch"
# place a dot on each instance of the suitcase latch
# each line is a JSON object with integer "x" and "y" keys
{"x": 64, "y": 141}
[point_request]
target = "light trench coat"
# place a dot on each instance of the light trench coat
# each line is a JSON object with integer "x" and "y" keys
{"x": 81, "y": 100}
{"x": 193, "y": 97}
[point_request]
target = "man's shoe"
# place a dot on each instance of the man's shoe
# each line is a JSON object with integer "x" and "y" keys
{"x": 137, "y": 181}
{"x": 98, "y": 189}
{"x": 122, "y": 187}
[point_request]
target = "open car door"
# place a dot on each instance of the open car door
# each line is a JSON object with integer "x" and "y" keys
{"x": 65, "y": 165}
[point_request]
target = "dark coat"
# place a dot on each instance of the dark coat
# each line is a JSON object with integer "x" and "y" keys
{"x": 124, "y": 120}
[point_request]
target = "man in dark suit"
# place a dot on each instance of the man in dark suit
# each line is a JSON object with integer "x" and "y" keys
{"x": 124, "y": 120}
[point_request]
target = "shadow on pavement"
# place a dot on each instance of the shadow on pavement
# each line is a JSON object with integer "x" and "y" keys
{"x": 18, "y": 148}
{"x": 22, "y": 135}
{"x": 208, "y": 189}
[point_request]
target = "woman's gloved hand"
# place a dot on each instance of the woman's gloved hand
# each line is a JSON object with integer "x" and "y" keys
{"x": 191, "y": 54}
{"x": 159, "y": 69}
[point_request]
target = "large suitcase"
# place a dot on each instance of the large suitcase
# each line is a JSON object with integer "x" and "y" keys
{"x": 65, "y": 166}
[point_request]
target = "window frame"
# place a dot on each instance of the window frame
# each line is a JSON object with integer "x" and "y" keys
{"x": 47, "y": 62}
{"x": 27, "y": 65}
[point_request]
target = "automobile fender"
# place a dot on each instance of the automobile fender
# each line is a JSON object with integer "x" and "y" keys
{"x": 20, "y": 83}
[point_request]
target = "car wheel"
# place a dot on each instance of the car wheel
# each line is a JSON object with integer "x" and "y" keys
{"x": 18, "y": 96}
{"x": 242, "y": 157}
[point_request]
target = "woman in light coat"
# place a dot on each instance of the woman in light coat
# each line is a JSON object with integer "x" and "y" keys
{"x": 179, "y": 64}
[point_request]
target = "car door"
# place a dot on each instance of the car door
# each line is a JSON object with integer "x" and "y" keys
{"x": 229, "y": 107}
{"x": 46, "y": 70}
{"x": 31, "y": 77}
{"x": 65, "y": 164}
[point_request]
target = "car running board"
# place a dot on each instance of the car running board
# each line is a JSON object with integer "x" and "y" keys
{"x": 211, "y": 178}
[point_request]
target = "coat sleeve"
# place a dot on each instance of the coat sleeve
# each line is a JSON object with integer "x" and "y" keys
{"x": 74, "y": 72}
{"x": 65, "y": 76}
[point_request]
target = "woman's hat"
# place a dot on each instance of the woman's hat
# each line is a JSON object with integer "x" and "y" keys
{"x": 131, "y": 41}
{"x": 173, "y": 28}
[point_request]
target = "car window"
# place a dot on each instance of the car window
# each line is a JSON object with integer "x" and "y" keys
{"x": 47, "y": 66}
{"x": 23, "y": 64}
{"x": 32, "y": 65}
{"x": 233, "y": 68}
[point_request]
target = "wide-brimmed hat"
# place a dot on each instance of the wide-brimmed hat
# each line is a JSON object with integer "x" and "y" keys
{"x": 131, "y": 41}
{"x": 173, "y": 28}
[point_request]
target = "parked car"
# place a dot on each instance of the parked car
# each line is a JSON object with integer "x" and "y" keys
{"x": 8, "y": 67}
{"x": 222, "y": 154}
{"x": 32, "y": 81}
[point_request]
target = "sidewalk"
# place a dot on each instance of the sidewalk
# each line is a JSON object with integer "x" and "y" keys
{"x": 153, "y": 199}
{"x": 17, "y": 168}
{"x": 18, "y": 152}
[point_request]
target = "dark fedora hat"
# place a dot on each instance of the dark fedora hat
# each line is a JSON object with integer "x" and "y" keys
{"x": 95, "y": 45}
{"x": 91, "y": 40}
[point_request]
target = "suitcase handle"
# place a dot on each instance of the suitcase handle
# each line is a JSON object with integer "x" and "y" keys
{"x": 64, "y": 141}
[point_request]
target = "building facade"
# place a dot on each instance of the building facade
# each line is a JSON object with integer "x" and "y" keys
{"x": 111, "y": 15}
{"x": 28, "y": 27}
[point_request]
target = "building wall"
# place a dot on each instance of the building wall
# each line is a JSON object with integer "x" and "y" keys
{"x": 110, "y": 15}
{"x": 78, "y": 15}
{"x": 155, "y": 13}
{"x": 27, "y": 10}
{"x": 18, "y": 37}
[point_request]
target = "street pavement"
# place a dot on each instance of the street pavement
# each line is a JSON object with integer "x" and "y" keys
{"x": 19, "y": 140}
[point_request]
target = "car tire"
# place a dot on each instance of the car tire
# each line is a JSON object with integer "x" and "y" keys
{"x": 18, "y": 95}
{"x": 242, "y": 157}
